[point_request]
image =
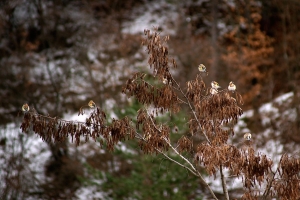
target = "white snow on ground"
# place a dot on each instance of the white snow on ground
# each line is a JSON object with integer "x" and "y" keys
{"x": 30, "y": 151}
{"x": 90, "y": 148}
{"x": 153, "y": 14}
{"x": 241, "y": 126}
{"x": 147, "y": 16}
{"x": 90, "y": 192}
{"x": 270, "y": 112}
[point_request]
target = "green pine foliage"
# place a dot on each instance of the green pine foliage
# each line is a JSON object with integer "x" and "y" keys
{"x": 150, "y": 177}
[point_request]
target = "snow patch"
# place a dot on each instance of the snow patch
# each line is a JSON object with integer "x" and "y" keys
{"x": 152, "y": 15}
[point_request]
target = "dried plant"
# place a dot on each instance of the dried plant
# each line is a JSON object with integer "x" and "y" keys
{"x": 213, "y": 115}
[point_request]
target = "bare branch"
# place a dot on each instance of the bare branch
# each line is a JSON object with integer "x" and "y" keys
{"x": 190, "y": 106}
{"x": 138, "y": 136}
{"x": 193, "y": 169}
{"x": 224, "y": 183}
{"x": 192, "y": 166}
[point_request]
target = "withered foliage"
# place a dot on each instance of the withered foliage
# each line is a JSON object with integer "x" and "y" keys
{"x": 155, "y": 136}
{"x": 213, "y": 156}
{"x": 184, "y": 144}
{"x": 212, "y": 116}
{"x": 287, "y": 185}
{"x": 95, "y": 127}
{"x": 158, "y": 54}
{"x": 255, "y": 168}
{"x": 164, "y": 98}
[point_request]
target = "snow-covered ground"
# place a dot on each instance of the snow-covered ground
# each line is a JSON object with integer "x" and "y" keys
{"x": 22, "y": 157}
{"x": 147, "y": 16}
{"x": 154, "y": 14}
{"x": 35, "y": 152}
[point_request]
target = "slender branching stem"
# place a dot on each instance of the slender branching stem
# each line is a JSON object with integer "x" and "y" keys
{"x": 269, "y": 185}
{"x": 223, "y": 179}
{"x": 191, "y": 107}
{"x": 192, "y": 166}
{"x": 138, "y": 136}
{"x": 192, "y": 169}
{"x": 176, "y": 162}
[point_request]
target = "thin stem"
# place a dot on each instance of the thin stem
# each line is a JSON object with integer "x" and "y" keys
{"x": 224, "y": 183}
{"x": 172, "y": 87}
{"x": 178, "y": 163}
{"x": 138, "y": 136}
{"x": 266, "y": 193}
{"x": 190, "y": 106}
{"x": 192, "y": 166}
{"x": 66, "y": 121}
{"x": 193, "y": 169}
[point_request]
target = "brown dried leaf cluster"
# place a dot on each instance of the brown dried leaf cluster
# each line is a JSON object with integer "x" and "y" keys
{"x": 212, "y": 111}
{"x": 255, "y": 168}
{"x": 95, "y": 127}
{"x": 287, "y": 186}
{"x": 250, "y": 196}
{"x": 221, "y": 108}
{"x": 158, "y": 54}
{"x": 164, "y": 98}
{"x": 184, "y": 144}
{"x": 212, "y": 157}
{"x": 196, "y": 89}
{"x": 155, "y": 136}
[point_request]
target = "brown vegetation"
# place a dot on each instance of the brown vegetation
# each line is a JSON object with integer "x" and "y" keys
{"x": 212, "y": 118}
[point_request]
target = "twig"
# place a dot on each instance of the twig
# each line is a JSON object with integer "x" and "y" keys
{"x": 192, "y": 169}
{"x": 194, "y": 113}
{"x": 138, "y": 136}
{"x": 224, "y": 183}
{"x": 172, "y": 87}
{"x": 266, "y": 193}
{"x": 192, "y": 166}
{"x": 178, "y": 163}
{"x": 68, "y": 121}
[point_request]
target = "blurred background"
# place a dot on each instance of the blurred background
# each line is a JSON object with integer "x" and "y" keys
{"x": 56, "y": 55}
